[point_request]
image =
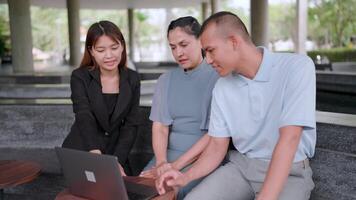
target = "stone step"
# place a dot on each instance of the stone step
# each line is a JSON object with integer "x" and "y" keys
{"x": 145, "y": 100}
{"x": 336, "y": 81}
{"x": 64, "y": 78}
{"x": 34, "y": 79}
{"x": 337, "y": 102}
{"x": 54, "y": 90}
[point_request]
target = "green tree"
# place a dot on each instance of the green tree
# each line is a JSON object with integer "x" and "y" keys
{"x": 118, "y": 17}
{"x": 332, "y": 21}
{"x": 145, "y": 31}
{"x": 227, "y": 5}
{"x": 282, "y": 21}
{"x": 49, "y": 28}
{"x": 4, "y": 31}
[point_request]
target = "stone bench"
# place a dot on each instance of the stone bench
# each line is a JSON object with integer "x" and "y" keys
{"x": 344, "y": 82}
{"x": 151, "y": 73}
{"x": 57, "y": 91}
{"x": 334, "y": 163}
{"x": 30, "y": 131}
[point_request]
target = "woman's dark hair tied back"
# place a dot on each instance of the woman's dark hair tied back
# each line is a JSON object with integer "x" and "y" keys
{"x": 189, "y": 24}
{"x": 101, "y": 27}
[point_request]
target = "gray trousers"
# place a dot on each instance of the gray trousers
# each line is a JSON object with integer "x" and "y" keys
{"x": 241, "y": 178}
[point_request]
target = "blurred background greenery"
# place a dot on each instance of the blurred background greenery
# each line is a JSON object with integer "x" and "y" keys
{"x": 331, "y": 27}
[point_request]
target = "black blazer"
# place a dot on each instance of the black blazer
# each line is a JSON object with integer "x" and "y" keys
{"x": 91, "y": 128}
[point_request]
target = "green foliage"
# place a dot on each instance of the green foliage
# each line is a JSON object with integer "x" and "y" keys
{"x": 49, "y": 28}
{"x": 282, "y": 21}
{"x": 332, "y": 22}
{"x": 141, "y": 16}
{"x": 187, "y": 11}
{"x": 335, "y": 54}
{"x": 118, "y": 17}
{"x": 144, "y": 30}
{"x": 4, "y": 31}
{"x": 239, "y": 11}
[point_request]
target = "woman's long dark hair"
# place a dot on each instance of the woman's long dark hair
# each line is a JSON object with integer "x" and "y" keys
{"x": 95, "y": 31}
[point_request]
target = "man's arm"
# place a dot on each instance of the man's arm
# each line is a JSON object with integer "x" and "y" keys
{"x": 209, "y": 160}
{"x": 281, "y": 163}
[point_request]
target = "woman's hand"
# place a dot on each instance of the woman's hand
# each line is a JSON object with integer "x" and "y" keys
{"x": 150, "y": 173}
{"x": 163, "y": 168}
{"x": 122, "y": 171}
{"x": 97, "y": 151}
{"x": 157, "y": 171}
{"x": 154, "y": 172}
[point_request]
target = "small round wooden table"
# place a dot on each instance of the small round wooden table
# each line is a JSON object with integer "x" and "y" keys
{"x": 170, "y": 195}
{"x": 17, "y": 172}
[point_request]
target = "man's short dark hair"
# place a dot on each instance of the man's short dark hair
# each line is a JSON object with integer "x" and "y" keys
{"x": 227, "y": 21}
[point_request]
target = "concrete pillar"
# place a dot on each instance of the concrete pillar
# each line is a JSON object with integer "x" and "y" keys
{"x": 73, "y": 7}
{"x": 259, "y": 22}
{"x": 21, "y": 36}
{"x": 204, "y": 11}
{"x": 302, "y": 21}
{"x": 215, "y": 6}
{"x": 130, "y": 17}
{"x": 167, "y": 49}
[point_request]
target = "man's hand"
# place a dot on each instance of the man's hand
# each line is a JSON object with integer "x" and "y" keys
{"x": 171, "y": 178}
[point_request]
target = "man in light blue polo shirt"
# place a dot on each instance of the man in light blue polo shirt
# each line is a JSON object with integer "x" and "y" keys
{"x": 266, "y": 103}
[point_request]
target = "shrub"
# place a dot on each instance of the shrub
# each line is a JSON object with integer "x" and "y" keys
{"x": 336, "y": 54}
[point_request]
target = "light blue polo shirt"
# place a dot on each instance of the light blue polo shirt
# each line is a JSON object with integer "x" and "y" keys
{"x": 252, "y": 111}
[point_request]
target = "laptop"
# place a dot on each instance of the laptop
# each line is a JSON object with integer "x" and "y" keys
{"x": 97, "y": 177}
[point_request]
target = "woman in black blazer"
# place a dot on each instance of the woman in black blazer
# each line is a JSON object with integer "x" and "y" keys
{"x": 105, "y": 96}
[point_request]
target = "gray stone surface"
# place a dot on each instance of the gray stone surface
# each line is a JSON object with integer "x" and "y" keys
{"x": 336, "y": 102}
{"x": 344, "y": 66}
{"x": 45, "y": 187}
{"x": 340, "y": 119}
{"x": 336, "y": 81}
{"x": 34, "y": 125}
{"x": 37, "y": 91}
{"x": 34, "y": 79}
{"x": 30, "y": 132}
{"x": 334, "y": 175}
{"x": 337, "y": 138}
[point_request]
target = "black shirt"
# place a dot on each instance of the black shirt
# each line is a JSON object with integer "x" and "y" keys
{"x": 110, "y": 100}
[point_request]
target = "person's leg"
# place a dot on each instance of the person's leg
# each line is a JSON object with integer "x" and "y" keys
{"x": 299, "y": 184}
{"x": 150, "y": 164}
{"x": 186, "y": 189}
{"x": 227, "y": 182}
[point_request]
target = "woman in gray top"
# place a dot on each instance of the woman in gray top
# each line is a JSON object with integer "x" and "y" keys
{"x": 181, "y": 103}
